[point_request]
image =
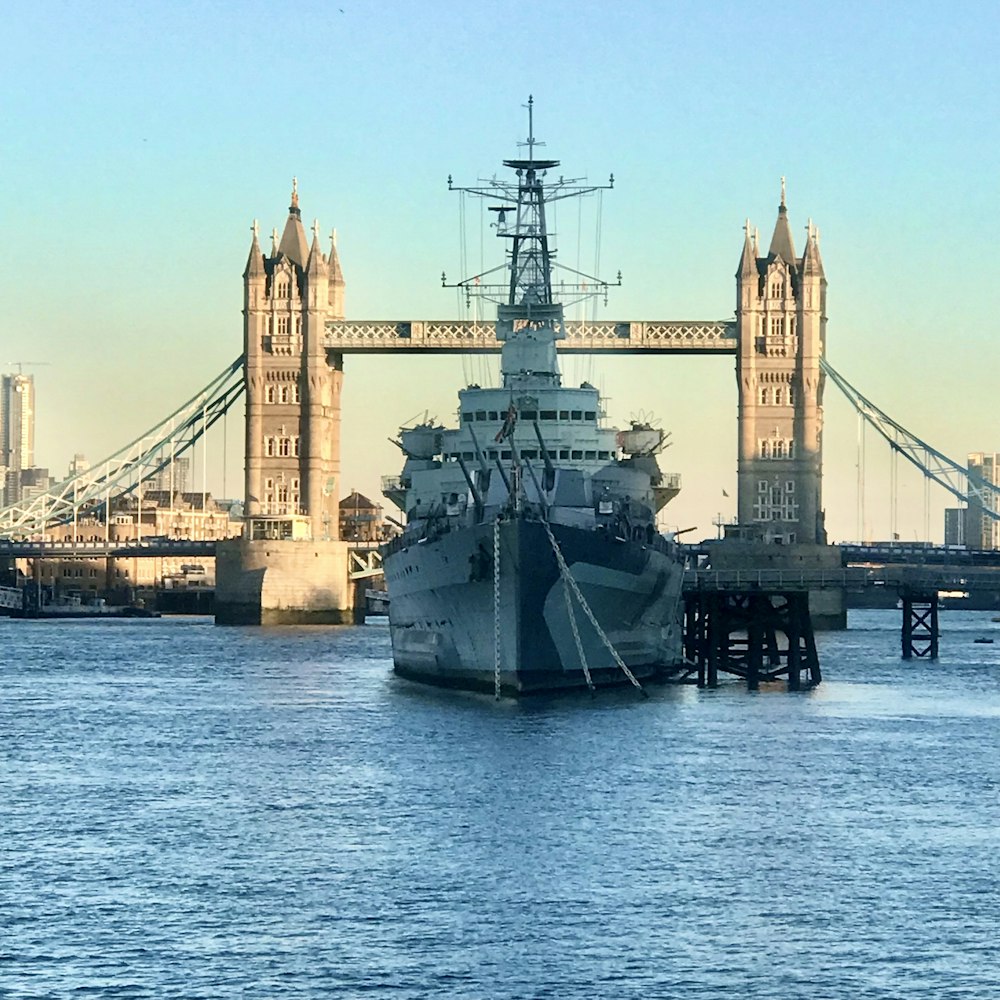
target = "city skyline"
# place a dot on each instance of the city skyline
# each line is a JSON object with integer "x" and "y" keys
{"x": 144, "y": 180}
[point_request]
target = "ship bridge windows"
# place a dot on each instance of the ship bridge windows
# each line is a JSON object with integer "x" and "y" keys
{"x": 564, "y": 414}
{"x": 577, "y": 455}
{"x": 529, "y": 414}
{"x": 547, "y": 415}
{"x": 467, "y": 417}
{"x": 590, "y": 415}
{"x": 494, "y": 415}
{"x": 564, "y": 453}
{"x": 480, "y": 414}
{"x": 576, "y": 414}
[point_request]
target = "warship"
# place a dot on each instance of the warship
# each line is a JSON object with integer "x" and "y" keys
{"x": 530, "y": 560}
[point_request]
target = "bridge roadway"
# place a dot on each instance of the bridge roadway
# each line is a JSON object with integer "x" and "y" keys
{"x": 364, "y": 558}
{"x": 850, "y": 578}
{"x": 472, "y": 337}
{"x": 903, "y": 566}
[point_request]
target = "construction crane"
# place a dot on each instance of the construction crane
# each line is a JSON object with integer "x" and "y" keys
{"x": 33, "y": 364}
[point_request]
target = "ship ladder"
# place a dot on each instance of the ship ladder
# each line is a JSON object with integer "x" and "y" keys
{"x": 569, "y": 582}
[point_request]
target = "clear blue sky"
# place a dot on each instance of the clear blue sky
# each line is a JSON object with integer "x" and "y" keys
{"x": 140, "y": 141}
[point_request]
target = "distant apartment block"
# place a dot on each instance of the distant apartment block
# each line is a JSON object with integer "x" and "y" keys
{"x": 971, "y": 526}
{"x": 175, "y": 478}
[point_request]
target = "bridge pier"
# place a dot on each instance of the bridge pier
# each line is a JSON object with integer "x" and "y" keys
{"x": 284, "y": 582}
{"x": 920, "y": 624}
{"x": 737, "y": 632}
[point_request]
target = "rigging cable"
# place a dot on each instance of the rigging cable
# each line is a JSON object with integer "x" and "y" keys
{"x": 466, "y": 369}
{"x": 597, "y": 274}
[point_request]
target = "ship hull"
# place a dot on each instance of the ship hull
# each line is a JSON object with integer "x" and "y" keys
{"x": 445, "y": 604}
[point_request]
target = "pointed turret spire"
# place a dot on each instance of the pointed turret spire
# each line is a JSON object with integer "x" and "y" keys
{"x": 255, "y": 262}
{"x": 748, "y": 259}
{"x": 336, "y": 275}
{"x": 293, "y": 240}
{"x": 812, "y": 261}
{"x": 316, "y": 260}
{"x": 781, "y": 241}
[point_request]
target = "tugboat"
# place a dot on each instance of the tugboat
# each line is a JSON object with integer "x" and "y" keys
{"x": 530, "y": 560}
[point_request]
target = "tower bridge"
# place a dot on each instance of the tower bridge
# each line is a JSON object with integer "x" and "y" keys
{"x": 291, "y": 566}
{"x": 296, "y": 338}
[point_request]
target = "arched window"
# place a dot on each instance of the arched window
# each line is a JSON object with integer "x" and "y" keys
{"x": 269, "y": 447}
{"x": 295, "y": 445}
{"x": 791, "y": 449}
{"x": 765, "y": 449}
{"x": 765, "y": 395}
{"x": 283, "y": 288}
{"x": 791, "y": 395}
{"x": 282, "y": 326}
{"x": 779, "y": 448}
{"x": 283, "y": 393}
{"x": 779, "y": 396}
{"x": 269, "y": 394}
{"x": 776, "y": 289}
{"x": 296, "y": 394}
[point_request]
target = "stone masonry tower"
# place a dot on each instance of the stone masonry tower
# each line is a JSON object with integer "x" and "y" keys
{"x": 781, "y": 326}
{"x": 293, "y": 388}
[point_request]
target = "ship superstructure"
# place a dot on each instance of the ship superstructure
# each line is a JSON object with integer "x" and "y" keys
{"x": 530, "y": 558}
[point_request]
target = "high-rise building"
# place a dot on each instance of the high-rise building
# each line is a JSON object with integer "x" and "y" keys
{"x": 981, "y": 530}
{"x": 17, "y": 430}
{"x": 175, "y": 478}
{"x": 954, "y": 526}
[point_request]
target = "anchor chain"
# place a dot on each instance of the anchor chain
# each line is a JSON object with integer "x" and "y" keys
{"x": 576, "y": 635}
{"x": 569, "y": 581}
{"x": 496, "y": 609}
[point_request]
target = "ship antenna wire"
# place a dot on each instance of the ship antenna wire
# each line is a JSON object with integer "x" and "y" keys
{"x": 597, "y": 271}
{"x": 466, "y": 365}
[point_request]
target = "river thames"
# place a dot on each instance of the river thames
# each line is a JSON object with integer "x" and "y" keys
{"x": 190, "y": 811}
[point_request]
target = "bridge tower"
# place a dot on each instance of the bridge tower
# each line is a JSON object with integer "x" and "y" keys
{"x": 289, "y": 567}
{"x": 293, "y": 389}
{"x": 781, "y": 331}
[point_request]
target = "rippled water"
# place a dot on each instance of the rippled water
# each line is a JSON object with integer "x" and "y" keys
{"x": 190, "y": 811}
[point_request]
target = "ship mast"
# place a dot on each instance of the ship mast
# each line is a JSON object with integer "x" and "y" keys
{"x": 530, "y": 257}
{"x": 529, "y": 319}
